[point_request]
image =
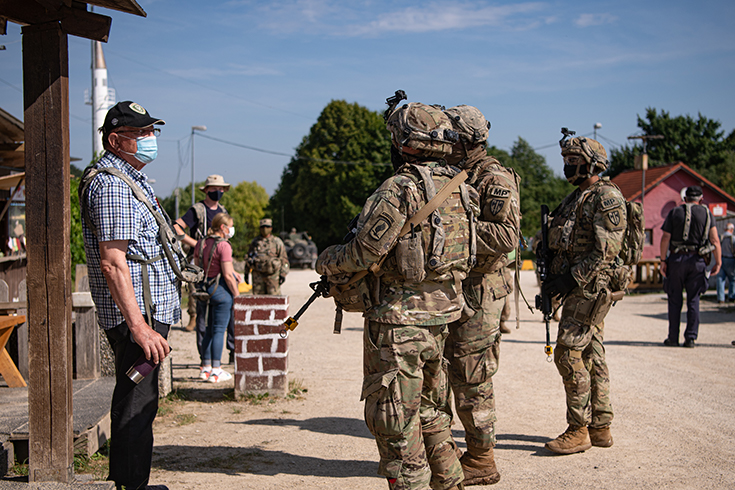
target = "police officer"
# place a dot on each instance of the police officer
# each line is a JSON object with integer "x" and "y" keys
{"x": 415, "y": 295}
{"x": 473, "y": 346}
{"x": 689, "y": 233}
{"x": 268, "y": 260}
{"x": 585, "y": 234}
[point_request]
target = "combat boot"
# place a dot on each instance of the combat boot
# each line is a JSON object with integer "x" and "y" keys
{"x": 478, "y": 464}
{"x": 192, "y": 324}
{"x": 573, "y": 440}
{"x": 503, "y": 327}
{"x": 601, "y": 437}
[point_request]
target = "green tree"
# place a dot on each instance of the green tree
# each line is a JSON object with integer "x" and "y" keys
{"x": 317, "y": 192}
{"x": 78, "y": 256}
{"x": 699, "y": 143}
{"x": 539, "y": 185}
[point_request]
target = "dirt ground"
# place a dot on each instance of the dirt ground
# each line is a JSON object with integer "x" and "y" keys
{"x": 673, "y": 424}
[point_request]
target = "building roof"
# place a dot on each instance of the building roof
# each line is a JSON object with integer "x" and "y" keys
{"x": 11, "y": 141}
{"x": 629, "y": 181}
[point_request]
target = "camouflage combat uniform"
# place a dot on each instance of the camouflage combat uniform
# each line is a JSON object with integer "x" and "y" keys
{"x": 473, "y": 347}
{"x": 269, "y": 262}
{"x": 590, "y": 251}
{"x": 405, "y": 387}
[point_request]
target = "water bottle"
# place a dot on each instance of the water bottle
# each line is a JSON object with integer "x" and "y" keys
{"x": 140, "y": 369}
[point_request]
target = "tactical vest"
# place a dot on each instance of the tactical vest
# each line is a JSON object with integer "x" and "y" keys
{"x": 442, "y": 247}
{"x": 166, "y": 235}
{"x": 702, "y": 245}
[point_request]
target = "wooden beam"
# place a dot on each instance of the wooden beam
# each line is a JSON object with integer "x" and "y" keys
{"x": 3, "y": 26}
{"x": 46, "y": 116}
{"x": 75, "y": 21}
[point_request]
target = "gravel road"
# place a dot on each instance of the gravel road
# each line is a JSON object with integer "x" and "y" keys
{"x": 673, "y": 425}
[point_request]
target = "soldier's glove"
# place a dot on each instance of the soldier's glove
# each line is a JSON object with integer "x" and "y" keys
{"x": 281, "y": 280}
{"x": 560, "y": 285}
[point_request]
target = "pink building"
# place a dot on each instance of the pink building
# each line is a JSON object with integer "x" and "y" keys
{"x": 663, "y": 192}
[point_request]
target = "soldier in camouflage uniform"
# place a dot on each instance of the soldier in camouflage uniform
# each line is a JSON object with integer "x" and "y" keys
{"x": 586, "y": 232}
{"x": 268, "y": 260}
{"x": 473, "y": 346}
{"x": 415, "y": 294}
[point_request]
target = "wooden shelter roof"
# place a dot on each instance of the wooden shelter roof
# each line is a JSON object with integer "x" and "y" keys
{"x": 11, "y": 141}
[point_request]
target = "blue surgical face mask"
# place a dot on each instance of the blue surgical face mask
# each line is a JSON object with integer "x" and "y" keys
{"x": 147, "y": 149}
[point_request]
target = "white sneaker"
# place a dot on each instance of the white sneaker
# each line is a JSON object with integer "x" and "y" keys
{"x": 218, "y": 376}
{"x": 204, "y": 374}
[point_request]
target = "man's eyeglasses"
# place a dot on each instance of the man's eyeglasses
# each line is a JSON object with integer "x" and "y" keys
{"x": 143, "y": 132}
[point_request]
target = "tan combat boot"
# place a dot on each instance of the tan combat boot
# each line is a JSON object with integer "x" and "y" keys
{"x": 573, "y": 440}
{"x": 192, "y": 324}
{"x": 601, "y": 437}
{"x": 478, "y": 464}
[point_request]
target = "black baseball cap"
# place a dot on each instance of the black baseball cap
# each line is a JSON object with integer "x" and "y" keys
{"x": 129, "y": 114}
{"x": 694, "y": 191}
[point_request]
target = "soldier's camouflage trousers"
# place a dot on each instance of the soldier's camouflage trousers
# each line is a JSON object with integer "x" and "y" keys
{"x": 405, "y": 391}
{"x": 263, "y": 284}
{"x": 473, "y": 351}
{"x": 580, "y": 359}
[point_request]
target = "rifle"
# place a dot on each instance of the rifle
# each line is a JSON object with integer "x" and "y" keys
{"x": 392, "y": 102}
{"x": 320, "y": 288}
{"x": 543, "y": 255}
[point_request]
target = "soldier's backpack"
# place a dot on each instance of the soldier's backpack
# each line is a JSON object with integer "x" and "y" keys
{"x": 635, "y": 234}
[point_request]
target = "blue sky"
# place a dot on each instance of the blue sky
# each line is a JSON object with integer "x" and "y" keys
{"x": 259, "y": 73}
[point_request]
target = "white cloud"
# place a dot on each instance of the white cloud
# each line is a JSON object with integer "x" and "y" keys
{"x": 589, "y": 20}
{"x": 442, "y": 17}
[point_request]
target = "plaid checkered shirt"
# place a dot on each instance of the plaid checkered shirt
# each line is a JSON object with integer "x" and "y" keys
{"x": 118, "y": 215}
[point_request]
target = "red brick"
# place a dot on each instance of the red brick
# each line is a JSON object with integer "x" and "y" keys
{"x": 248, "y": 364}
{"x": 253, "y": 383}
{"x": 282, "y": 346}
{"x": 261, "y": 300}
{"x": 280, "y": 383}
{"x": 239, "y": 346}
{"x": 275, "y": 364}
{"x": 269, "y": 329}
{"x": 240, "y": 316}
{"x": 259, "y": 314}
{"x": 241, "y": 329}
{"x": 259, "y": 345}
{"x": 280, "y": 315}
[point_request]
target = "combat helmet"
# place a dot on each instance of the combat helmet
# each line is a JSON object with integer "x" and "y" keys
{"x": 421, "y": 130}
{"x": 469, "y": 123}
{"x": 592, "y": 151}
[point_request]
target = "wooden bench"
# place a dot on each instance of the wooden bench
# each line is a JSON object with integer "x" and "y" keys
{"x": 8, "y": 369}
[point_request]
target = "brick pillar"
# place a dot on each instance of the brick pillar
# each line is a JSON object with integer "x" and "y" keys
{"x": 261, "y": 355}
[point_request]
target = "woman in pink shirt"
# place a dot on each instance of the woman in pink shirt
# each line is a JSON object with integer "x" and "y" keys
{"x": 220, "y": 273}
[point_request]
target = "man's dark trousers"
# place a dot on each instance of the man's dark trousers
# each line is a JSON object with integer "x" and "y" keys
{"x": 685, "y": 272}
{"x": 134, "y": 408}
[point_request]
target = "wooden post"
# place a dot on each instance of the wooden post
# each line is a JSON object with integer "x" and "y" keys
{"x": 46, "y": 115}
{"x": 86, "y": 335}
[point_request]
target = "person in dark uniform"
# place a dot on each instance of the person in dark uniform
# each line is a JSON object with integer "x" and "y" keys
{"x": 689, "y": 235}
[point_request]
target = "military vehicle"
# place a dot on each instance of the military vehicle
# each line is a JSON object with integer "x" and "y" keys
{"x": 302, "y": 252}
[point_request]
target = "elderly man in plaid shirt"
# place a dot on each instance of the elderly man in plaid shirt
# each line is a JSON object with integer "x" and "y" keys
{"x": 136, "y": 320}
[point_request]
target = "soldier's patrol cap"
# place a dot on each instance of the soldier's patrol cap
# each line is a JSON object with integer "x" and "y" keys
{"x": 266, "y": 222}
{"x": 693, "y": 191}
{"x": 130, "y": 114}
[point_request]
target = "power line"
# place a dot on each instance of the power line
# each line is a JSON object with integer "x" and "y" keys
{"x": 11, "y": 85}
{"x": 344, "y": 162}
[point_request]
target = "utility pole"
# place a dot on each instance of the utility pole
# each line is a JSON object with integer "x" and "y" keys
{"x": 595, "y": 128}
{"x": 194, "y": 128}
{"x": 644, "y": 158}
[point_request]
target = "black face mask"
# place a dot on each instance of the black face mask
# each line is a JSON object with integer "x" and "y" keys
{"x": 571, "y": 171}
{"x": 215, "y": 195}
